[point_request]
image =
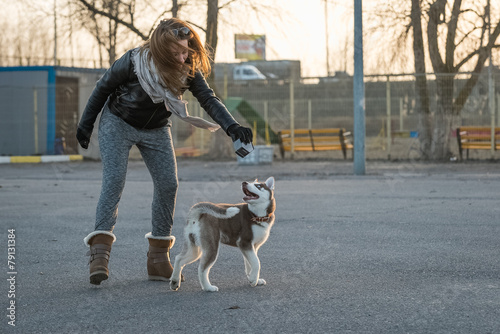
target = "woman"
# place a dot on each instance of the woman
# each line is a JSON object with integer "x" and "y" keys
{"x": 137, "y": 96}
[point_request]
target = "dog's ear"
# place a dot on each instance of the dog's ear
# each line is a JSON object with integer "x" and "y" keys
{"x": 270, "y": 183}
{"x": 255, "y": 181}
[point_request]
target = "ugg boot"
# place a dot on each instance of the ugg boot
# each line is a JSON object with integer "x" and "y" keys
{"x": 159, "y": 267}
{"x": 100, "y": 247}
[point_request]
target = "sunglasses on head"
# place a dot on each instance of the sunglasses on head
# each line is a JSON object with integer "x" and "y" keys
{"x": 181, "y": 32}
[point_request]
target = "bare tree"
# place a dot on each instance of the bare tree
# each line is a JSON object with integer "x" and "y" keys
{"x": 450, "y": 36}
{"x": 421, "y": 80}
{"x": 212, "y": 21}
{"x": 26, "y": 40}
{"x": 446, "y": 23}
{"x": 126, "y": 17}
{"x": 102, "y": 19}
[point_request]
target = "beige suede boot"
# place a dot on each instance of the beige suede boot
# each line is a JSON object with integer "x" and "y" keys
{"x": 100, "y": 247}
{"x": 159, "y": 266}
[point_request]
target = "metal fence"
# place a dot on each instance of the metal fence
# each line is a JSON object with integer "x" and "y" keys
{"x": 392, "y": 113}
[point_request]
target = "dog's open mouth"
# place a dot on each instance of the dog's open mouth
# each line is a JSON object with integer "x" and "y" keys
{"x": 249, "y": 195}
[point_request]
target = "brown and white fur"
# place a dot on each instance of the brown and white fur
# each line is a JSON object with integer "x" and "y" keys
{"x": 245, "y": 225}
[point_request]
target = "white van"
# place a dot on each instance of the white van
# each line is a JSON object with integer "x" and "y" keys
{"x": 244, "y": 73}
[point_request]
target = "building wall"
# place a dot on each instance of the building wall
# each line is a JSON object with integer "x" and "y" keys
{"x": 34, "y": 109}
{"x": 19, "y": 133}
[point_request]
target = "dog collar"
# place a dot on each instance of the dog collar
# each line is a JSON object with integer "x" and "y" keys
{"x": 264, "y": 219}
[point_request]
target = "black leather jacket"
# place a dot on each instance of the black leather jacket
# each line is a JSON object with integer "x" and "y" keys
{"x": 120, "y": 89}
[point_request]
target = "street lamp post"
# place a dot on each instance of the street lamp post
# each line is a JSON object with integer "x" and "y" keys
{"x": 359, "y": 92}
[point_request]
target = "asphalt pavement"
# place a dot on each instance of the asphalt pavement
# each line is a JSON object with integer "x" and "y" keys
{"x": 406, "y": 248}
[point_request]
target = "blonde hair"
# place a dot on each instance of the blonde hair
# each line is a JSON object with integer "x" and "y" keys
{"x": 160, "y": 51}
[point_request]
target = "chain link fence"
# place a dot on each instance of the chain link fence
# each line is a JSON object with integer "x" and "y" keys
{"x": 393, "y": 121}
{"x": 392, "y": 112}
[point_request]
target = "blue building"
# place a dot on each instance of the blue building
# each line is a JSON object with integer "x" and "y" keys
{"x": 40, "y": 107}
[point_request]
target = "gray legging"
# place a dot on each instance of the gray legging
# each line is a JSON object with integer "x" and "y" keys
{"x": 116, "y": 138}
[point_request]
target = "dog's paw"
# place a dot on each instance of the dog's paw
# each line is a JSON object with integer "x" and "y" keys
{"x": 211, "y": 288}
{"x": 174, "y": 285}
{"x": 260, "y": 281}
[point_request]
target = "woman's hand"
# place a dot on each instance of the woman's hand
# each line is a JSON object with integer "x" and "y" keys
{"x": 82, "y": 139}
{"x": 237, "y": 131}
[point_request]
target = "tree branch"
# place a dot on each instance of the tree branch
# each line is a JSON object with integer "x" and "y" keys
{"x": 154, "y": 24}
{"x": 227, "y": 4}
{"x": 466, "y": 35}
{"x": 452, "y": 33}
{"x": 435, "y": 11}
{"x": 197, "y": 26}
{"x": 482, "y": 53}
{"x": 481, "y": 50}
{"x": 131, "y": 11}
{"x": 130, "y": 26}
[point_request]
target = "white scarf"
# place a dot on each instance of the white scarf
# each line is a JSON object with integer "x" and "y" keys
{"x": 150, "y": 81}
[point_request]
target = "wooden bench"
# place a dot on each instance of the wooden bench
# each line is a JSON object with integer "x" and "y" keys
{"x": 476, "y": 138}
{"x": 315, "y": 140}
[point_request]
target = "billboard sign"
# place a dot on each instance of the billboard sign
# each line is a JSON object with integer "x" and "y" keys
{"x": 250, "y": 47}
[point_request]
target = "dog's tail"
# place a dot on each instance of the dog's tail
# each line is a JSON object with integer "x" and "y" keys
{"x": 212, "y": 210}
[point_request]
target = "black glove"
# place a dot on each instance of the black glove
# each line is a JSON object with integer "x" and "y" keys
{"x": 82, "y": 138}
{"x": 237, "y": 131}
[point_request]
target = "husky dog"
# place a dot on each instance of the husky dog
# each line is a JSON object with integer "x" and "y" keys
{"x": 244, "y": 225}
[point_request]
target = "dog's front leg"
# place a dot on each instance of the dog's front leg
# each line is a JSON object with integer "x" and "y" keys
{"x": 247, "y": 267}
{"x": 254, "y": 263}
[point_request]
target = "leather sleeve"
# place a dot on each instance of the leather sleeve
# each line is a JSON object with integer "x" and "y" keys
{"x": 116, "y": 75}
{"x": 210, "y": 102}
